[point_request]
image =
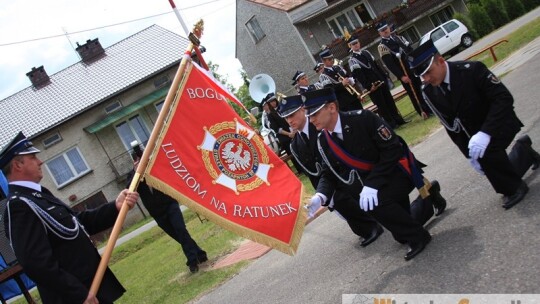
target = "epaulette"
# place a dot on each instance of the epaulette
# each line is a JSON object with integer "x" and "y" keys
{"x": 352, "y": 113}
{"x": 464, "y": 65}
{"x": 383, "y": 50}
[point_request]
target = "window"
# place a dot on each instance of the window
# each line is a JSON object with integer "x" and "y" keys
{"x": 450, "y": 26}
{"x": 161, "y": 81}
{"x": 132, "y": 129}
{"x": 411, "y": 34}
{"x": 113, "y": 107}
{"x": 67, "y": 167}
{"x": 51, "y": 140}
{"x": 437, "y": 34}
{"x": 350, "y": 19}
{"x": 442, "y": 16}
{"x": 255, "y": 30}
{"x": 159, "y": 105}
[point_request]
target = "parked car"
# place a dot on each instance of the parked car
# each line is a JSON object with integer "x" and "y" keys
{"x": 449, "y": 37}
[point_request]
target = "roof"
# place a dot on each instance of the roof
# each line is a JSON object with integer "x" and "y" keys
{"x": 81, "y": 86}
{"x": 284, "y": 5}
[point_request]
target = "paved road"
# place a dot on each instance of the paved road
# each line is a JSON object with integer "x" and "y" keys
{"x": 477, "y": 247}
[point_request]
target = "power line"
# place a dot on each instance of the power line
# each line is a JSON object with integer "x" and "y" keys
{"x": 102, "y": 27}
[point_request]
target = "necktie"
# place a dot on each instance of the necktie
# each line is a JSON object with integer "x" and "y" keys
{"x": 338, "y": 138}
{"x": 444, "y": 89}
{"x": 304, "y": 137}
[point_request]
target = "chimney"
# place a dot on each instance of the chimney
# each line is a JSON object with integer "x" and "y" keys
{"x": 90, "y": 51}
{"x": 38, "y": 77}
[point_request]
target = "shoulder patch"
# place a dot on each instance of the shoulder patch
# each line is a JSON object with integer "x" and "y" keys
{"x": 384, "y": 132}
{"x": 383, "y": 50}
{"x": 493, "y": 78}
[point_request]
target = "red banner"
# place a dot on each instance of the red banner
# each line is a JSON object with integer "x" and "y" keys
{"x": 209, "y": 159}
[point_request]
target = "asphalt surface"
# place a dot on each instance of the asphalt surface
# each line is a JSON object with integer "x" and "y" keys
{"x": 477, "y": 246}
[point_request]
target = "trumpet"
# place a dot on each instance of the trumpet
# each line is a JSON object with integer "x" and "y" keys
{"x": 352, "y": 90}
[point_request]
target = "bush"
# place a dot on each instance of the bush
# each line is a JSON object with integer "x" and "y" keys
{"x": 480, "y": 19}
{"x": 530, "y": 4}
{"x": 514, "y": 8}
{"x": 468, "y": 23}
{"x": 496, "y": 11}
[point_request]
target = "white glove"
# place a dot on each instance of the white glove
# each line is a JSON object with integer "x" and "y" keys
{"x": 368, "y": 198}
{"x": 351, "y": 81}
{"x": 315, "y": 203}
{"x": 478, "y": 145}
{"x": 476, "y": 165}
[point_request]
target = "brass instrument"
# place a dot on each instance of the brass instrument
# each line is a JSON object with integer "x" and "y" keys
{"x": 352, "y": 90}
{"x": 261, "y": 85}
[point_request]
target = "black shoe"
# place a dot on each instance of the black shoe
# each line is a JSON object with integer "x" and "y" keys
{"x": 510, "y": 201}
{"x": 193, "y": 267}
{"x": 202, "y": 257}
{"x": 439, "y": 203}
{"x": 526, "y": 140}
{"x": 373, "y": 236}
{"x": 416, "y": 248}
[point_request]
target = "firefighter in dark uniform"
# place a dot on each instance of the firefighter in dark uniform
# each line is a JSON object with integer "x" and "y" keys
{"x": 363, "y": 156}
{"x": 49, "y": 239}
{"x": 365, "y": 70}
{"x": 301, "y": 82}
{"x": 477, "y": 111}
{"x": 393, "y": 50}
{"x": 336, "y": 77}
{"x": 304, "y": 150}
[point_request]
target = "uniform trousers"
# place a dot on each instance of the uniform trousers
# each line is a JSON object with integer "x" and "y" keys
{"x": 386, "y": 105}
{"x": 394, "y": 213}
{"x": 496, "y": 164}
{"x": 418, "y": 103}
{"x": 360, "y": 222}
{"x": 172, "y": 222}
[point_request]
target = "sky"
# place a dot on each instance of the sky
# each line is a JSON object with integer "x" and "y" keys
{"x": 108, "y": 20}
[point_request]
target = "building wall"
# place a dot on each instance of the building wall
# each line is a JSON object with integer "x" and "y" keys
{"x": 279, "y": 54}
{"x": 97, "y": 149}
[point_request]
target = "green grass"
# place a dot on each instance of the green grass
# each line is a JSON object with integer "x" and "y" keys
{"x": 152, "y": 266}
{"x": 516, "y": 40}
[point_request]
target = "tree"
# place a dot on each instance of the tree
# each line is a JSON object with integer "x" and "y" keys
{"x": 482, "y": 22}
{"x": 468, "y": 23}
{"x": 514, "y": 8}
{"x": 530, "y": 4}
{"x": 496, "y": 12}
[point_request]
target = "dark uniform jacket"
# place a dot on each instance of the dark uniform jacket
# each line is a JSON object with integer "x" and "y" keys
{"x": 366, "y": 137}
{"x": 368, "y": 70}
{"x": 310, "y": 87}
{"x": 388, "y": 48}
{"x": 62, "y": 269}
{"x": 277, "y": 122}
{"x": 479, "y": 100}
{"x": 307, "y": 154}
{"x": 331, "y": 77}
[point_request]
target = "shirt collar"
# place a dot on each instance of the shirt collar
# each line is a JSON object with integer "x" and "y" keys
{"x": 27, "y": 184}
{"x": 305, "y": 129}
{"x": 447, "y": 77}
{"x": 337, "y": 128}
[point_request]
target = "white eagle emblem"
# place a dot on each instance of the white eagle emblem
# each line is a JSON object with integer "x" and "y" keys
{"x": 237, "y": 160}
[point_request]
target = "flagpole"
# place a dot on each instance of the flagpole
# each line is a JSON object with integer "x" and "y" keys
{"x": 198, "y": 33}
{"x": 141, "y": 168}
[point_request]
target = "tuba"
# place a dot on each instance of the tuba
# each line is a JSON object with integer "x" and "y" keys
{"x": 261, "y": 85}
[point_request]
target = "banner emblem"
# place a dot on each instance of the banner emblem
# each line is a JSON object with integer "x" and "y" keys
{"x": 234, "y": 157}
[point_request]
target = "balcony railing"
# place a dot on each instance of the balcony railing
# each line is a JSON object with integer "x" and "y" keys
{"x": 121, "y": 165}
{"x": 399, "y": 16}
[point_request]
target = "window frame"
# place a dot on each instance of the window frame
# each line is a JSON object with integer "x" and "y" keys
{"x": 333, "y": 23}
{"x": 256, "y": 37}
{"x": 76, "y": 176}
{"x": 146, "y": 130}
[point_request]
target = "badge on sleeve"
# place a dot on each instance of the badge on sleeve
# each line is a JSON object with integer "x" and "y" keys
{"x": 493, "y": 79}
{"x": 384, "y": 133}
